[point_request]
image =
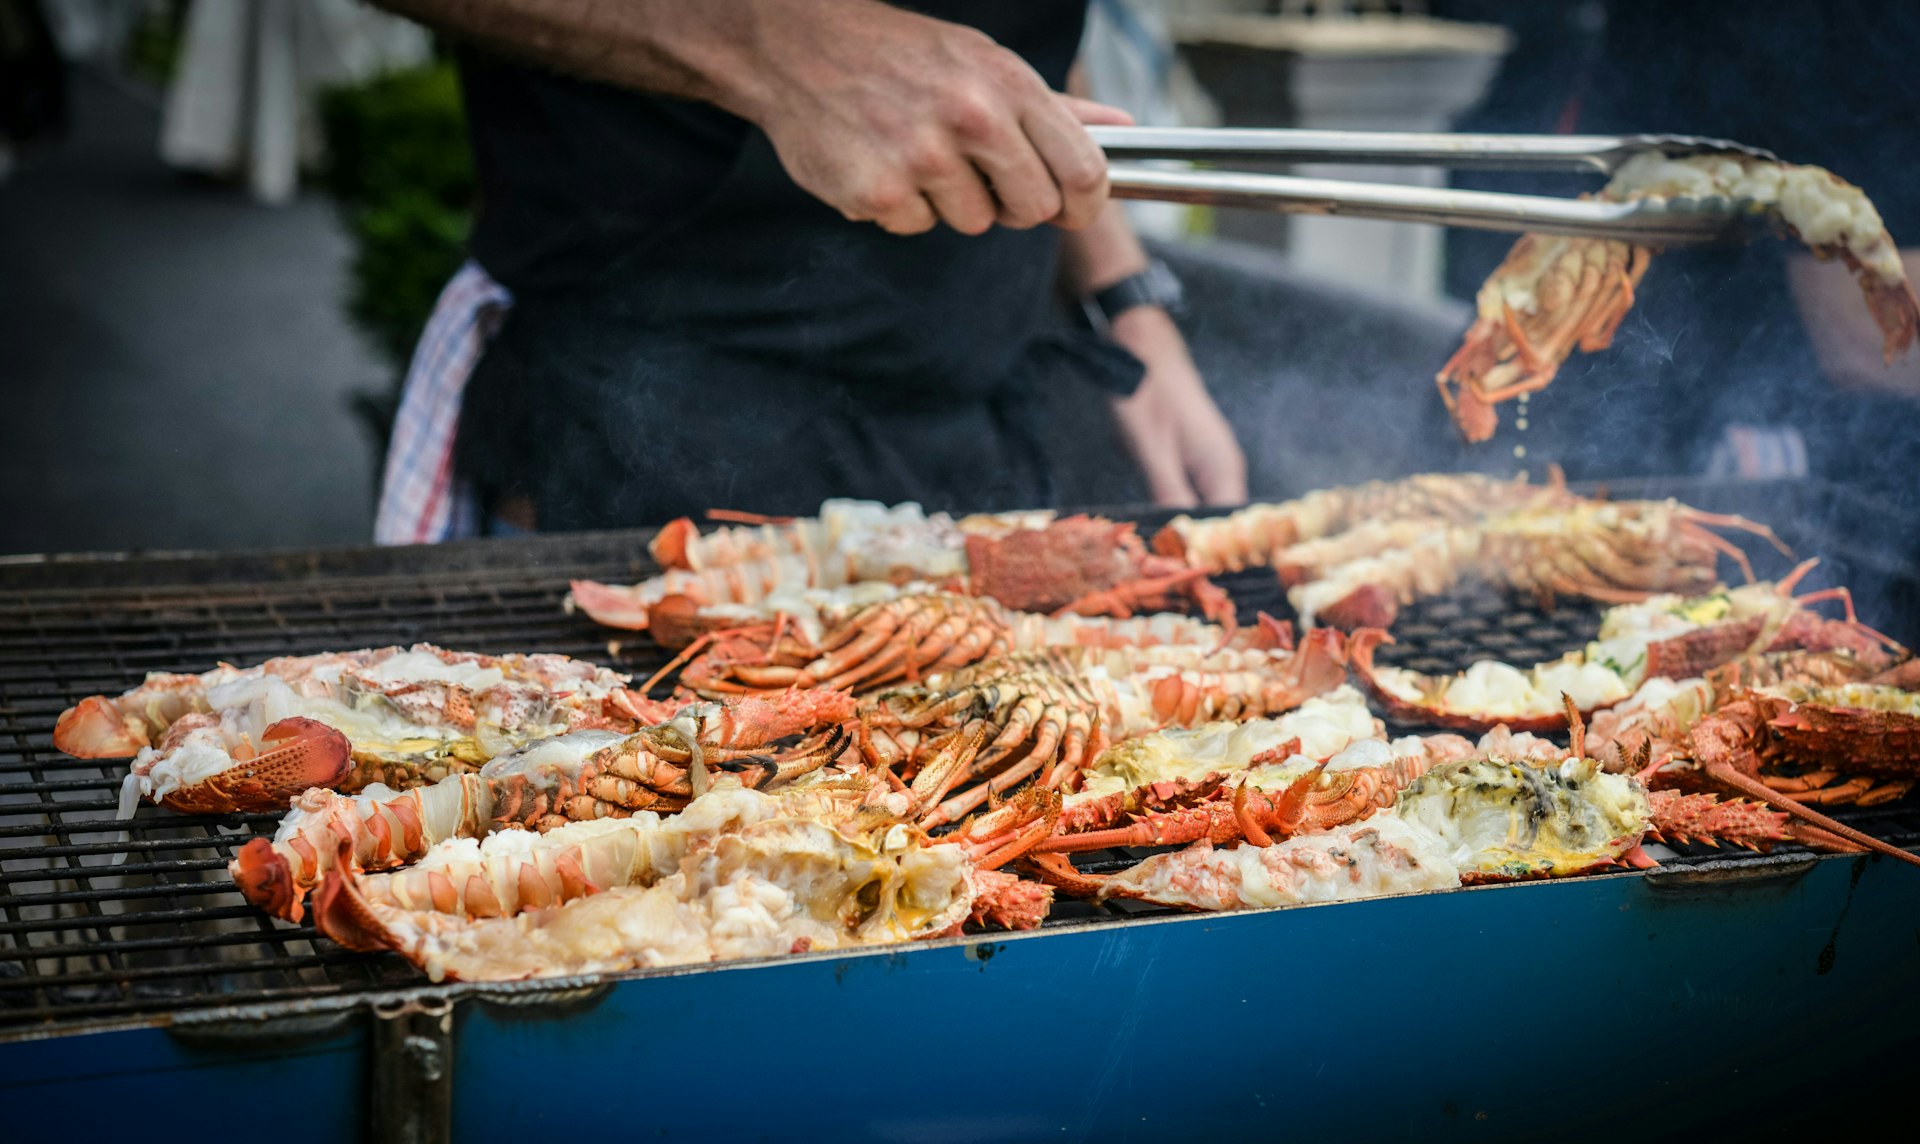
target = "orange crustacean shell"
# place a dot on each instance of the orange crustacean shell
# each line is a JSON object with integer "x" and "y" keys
{"x": 301, "y": 753}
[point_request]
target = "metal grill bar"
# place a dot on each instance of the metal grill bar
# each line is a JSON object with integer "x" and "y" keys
{"x": 84, "y": 940}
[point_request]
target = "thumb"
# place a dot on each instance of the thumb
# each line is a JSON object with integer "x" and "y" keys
{"x": 1095, "y": 114}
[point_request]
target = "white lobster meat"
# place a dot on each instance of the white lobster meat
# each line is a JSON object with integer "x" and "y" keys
{"x": 736, "y": 874}
{"x": 249, "y": 739}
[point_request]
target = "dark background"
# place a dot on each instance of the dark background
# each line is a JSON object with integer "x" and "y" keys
{"x": 184, "y": 368}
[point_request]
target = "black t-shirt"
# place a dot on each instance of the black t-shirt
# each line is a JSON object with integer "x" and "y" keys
{"x": 692, "y": 329}
{"x": 686, "y": 211}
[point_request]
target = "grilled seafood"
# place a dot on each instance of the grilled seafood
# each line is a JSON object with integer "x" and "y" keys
{"x": 851, "y": 540}
{"x": 406, "y": 715}
{"x": 904, "y": 638}
{"x": 1718, "y": 732}
{"x": 1865, "y": 735}
{"x": 1663, "y": 636}
{"x": 377, "y": 829}
{"x": 1512, "y": 806}
{"x": 1318, "y": 728}
{"x": 199, "y": 767}
{"x": 1506, "y": 818}
{"x": 1652, "y": 723}
{"x": 1551, "y": 295}
{"x": 1554, "y": 294}
{"x": 1309, "y": 797}
{"x": 1613, "y": 551}
{"x": 1472, "y": 820}
{"x": 1030, "y": 562}
{"x": 1249, "y": 537}
{"x": 579, "y": 776}
{"x": 736, "y": 874}
{"x": 1659, "y": 718}
{"x": 1047, "y": 712}
{"x": 1369, "y": 859}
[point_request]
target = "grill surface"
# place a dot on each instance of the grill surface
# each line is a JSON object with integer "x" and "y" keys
{"x": 84, "y": 941}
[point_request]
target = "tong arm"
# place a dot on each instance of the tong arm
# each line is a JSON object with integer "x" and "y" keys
{"x": 1650, "y": 222}
{"x": 1602, "y": 153}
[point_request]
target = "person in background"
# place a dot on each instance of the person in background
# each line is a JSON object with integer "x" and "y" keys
{"x": 1741, "y": 361}
{"x": 756, "y": 253}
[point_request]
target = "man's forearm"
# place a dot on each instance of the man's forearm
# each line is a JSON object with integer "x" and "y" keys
{"x": 883, "y": 114}
{"x": 699, "y": 50}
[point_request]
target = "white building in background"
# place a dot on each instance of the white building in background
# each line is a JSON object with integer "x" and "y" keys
{"x": 1356, "y": 65}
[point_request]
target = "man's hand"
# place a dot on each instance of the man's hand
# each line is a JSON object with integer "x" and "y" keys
{"x": 907, "y": 121}
{"x": 882, "y": 113}
{"x": 1170, "y": 424}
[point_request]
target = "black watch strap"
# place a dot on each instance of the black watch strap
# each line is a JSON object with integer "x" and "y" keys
{"x": 1154, "y": 286}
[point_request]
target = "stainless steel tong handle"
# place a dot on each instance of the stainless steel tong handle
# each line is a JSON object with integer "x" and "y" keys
{"x": 1671, "y": 221}
{"x": 1602, "y": 153}
{"x": 1647, "y": 222}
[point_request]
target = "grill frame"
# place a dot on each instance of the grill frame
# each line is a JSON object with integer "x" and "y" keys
{"x": 116, "y": 618}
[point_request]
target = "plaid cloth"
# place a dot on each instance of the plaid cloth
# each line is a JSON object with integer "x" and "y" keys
{"x": 421, "y": 501}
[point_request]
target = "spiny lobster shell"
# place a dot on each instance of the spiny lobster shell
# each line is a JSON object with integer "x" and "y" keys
{"x": 1705, "y": 817}
{"x": 302, "y": 753}
{"x": 1870, "y": 741}
{"x": 1077, "y": 557}
{"x": 1700, "y": 650}
{"x": 1043, "y": 570}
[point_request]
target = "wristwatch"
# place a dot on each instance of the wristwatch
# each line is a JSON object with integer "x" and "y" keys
{"x": 1154, "y": 286}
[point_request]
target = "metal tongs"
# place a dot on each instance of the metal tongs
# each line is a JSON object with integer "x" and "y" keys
{"x": 1653, "y": 221}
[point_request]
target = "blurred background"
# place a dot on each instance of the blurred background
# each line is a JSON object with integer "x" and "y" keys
{"x": 223, "y": 223}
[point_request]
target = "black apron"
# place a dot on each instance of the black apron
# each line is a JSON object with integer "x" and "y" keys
{"x": 692, "y": 330}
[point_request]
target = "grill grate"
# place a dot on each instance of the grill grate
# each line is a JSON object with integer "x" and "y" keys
{"x": 85, "y": 941}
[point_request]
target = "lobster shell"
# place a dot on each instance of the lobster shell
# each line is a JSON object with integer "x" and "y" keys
{"x": 1703, "y": 649}
{"x": 1873, "y": 742}
{"x": 304, "y": 753}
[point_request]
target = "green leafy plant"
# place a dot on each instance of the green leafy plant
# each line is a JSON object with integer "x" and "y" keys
{"x": 152, "y": 52}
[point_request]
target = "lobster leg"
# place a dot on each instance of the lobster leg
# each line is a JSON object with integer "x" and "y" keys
{"x": 952, "y": 756}
{"x": 1043, "y": 752}
{"x": 1755, "y": 789}
{"x": 1057, "y": 870}
{"x": 1213, "y": 821}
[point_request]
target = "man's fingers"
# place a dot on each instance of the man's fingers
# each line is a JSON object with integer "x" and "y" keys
{"x": 1078, "y": 166}
{"x": 1031, "y": 189}
{"x": 1167, "y": 483}
{"x": 912, "y": 216}
{"x": 1212, "y": 453}
{"x": 1219, "y": 482}
{"x": 961, "y": 198}
{"x": 1156, "y": 450}
{"x": 1022, "y": 185}
{"x": 1094, "y": 114}
{"x": 894, "y": 204}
